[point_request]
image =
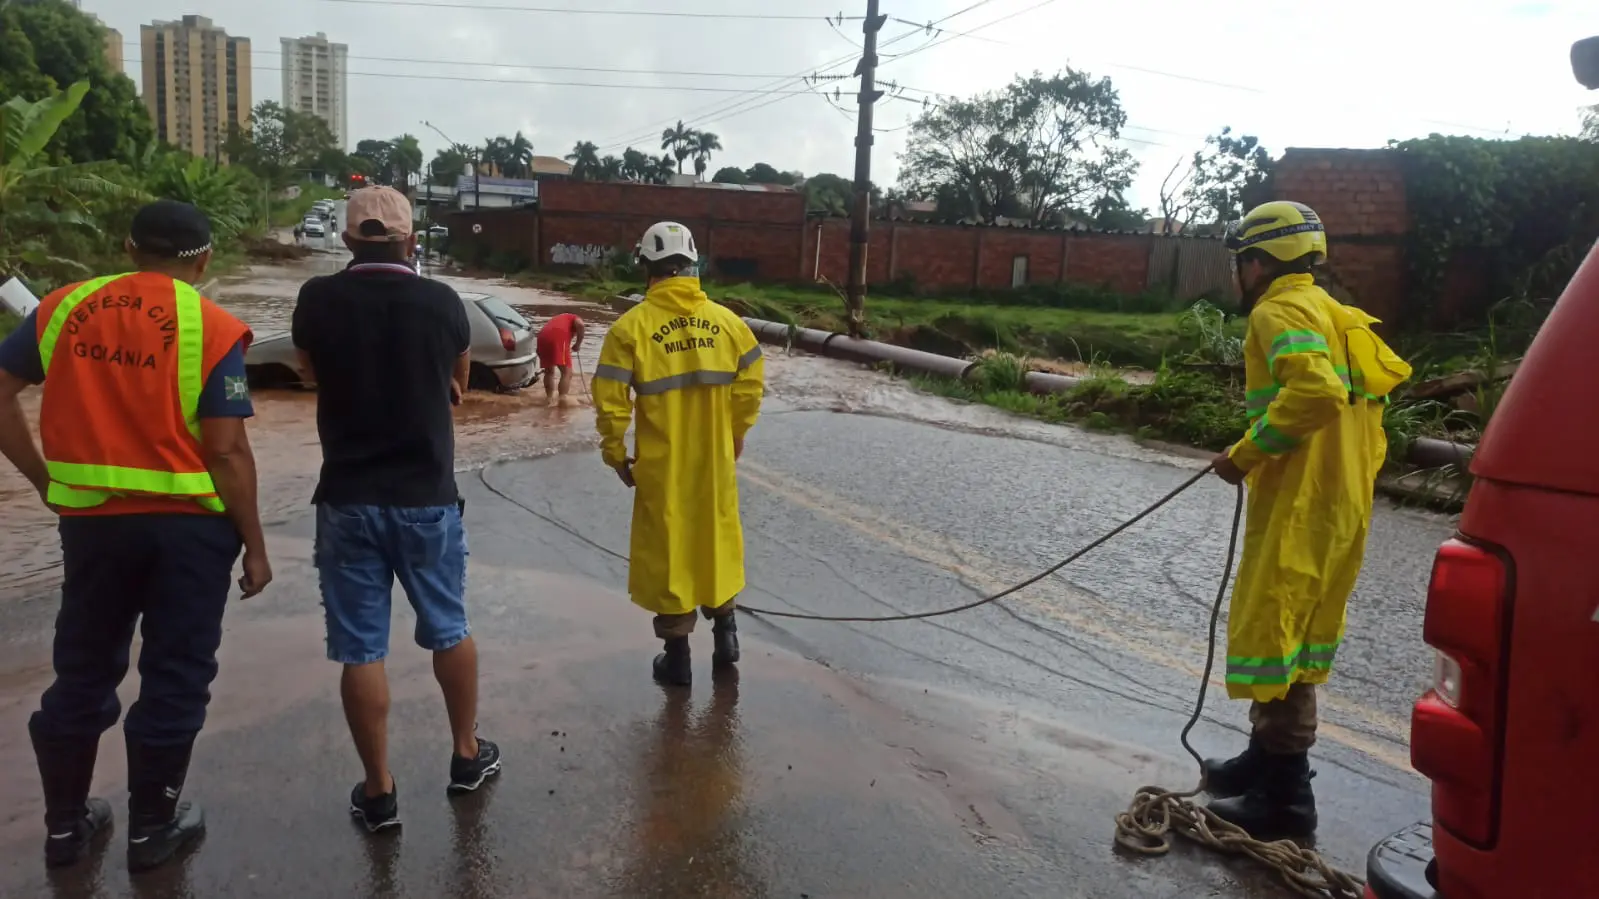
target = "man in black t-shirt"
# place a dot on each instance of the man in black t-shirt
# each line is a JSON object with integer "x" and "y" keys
{"x": 388, "y": 351}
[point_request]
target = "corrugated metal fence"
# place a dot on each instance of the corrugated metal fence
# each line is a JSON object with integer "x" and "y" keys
{"x": 1190, "y": 268}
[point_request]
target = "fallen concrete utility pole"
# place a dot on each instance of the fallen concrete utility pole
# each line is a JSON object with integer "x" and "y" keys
{"x": 1425, "y": 452}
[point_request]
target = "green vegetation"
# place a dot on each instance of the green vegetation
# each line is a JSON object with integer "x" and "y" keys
{"x": 1069, "y": 321}
{"x": 8, "y": 323}
{"x": 1519, "y": 214}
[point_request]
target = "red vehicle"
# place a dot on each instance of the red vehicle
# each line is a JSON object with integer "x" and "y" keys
{"x": 1509, "y": 733}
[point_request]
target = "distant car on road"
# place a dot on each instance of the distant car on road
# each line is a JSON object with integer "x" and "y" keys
{"x": 313, "y": 227}
{"x": 502, "y": 351}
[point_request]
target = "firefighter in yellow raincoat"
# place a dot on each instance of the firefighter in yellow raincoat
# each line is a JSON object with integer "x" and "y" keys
{"x": 1316, "y": 381}
{"x": 695, "y": 374}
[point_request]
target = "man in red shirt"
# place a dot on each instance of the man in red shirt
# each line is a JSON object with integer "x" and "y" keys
{"x": 557, "y": 340}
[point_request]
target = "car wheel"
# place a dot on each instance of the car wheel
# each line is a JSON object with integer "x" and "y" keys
{"x": 481, "y": 377}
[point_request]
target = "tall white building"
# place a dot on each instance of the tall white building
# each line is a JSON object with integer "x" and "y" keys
{"x": 315, "y": 72}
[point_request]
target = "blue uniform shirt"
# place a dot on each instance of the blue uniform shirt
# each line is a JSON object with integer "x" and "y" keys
{"x": 19, "y": 356}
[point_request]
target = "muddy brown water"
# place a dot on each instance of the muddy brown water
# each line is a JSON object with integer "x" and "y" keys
{"x": 489, "y": 427}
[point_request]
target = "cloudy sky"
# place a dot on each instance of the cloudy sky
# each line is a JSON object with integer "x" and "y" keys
{"x": 1352, "y": 74}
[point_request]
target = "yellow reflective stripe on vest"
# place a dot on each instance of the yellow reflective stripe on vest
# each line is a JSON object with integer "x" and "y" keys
{"x": 58, "y": 319}
{"x": 82, "y": 486}
{"x": 82, "y": 498}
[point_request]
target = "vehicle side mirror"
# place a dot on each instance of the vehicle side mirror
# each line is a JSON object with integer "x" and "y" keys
{"x": 1585, "y": 62}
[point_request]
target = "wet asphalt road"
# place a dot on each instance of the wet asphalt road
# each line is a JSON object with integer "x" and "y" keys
{"x": 980, "y": 755}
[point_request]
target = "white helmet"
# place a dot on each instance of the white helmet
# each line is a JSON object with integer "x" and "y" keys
{"x": 666, "y": 240}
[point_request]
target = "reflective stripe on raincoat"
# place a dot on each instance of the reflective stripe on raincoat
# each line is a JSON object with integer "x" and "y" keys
{"x": 1312, "y": 453}
{"x": 695, "y": 374}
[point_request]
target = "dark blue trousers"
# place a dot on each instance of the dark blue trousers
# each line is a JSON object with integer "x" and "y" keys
{"x": 172, "y": 571}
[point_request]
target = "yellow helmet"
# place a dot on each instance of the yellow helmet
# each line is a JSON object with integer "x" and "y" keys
{"x": 1286, "y": 230}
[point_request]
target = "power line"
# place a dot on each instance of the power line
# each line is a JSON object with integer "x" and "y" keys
{"x": 535, "y": 66}
{"x": 579, "y": 11}
{"x": 539, "y": 83}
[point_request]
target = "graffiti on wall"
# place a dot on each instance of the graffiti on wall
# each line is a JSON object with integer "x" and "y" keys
{"x": 576, "y": 254}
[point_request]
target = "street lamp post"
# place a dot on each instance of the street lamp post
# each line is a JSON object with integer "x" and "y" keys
{"x": 471, "y": 155}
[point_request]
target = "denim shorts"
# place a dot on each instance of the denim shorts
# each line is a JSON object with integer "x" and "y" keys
{"x": 359, "y": 552}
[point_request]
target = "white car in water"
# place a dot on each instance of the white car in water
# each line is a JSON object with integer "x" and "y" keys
{"x": 313, "y": 227}
{"x": 503, "y": 356}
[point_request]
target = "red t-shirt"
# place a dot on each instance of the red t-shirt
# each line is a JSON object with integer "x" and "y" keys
{"x": 558, "y": 330}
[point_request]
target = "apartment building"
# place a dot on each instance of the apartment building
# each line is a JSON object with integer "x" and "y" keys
{"x": 196, "y": 83}
{"x": 315, "y": 72}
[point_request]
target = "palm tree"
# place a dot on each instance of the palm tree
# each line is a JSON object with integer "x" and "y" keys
{"x": 679, "y": 139}
{"x": 585, "y": 160}
{"x": 636, "y": 165}
{"x": 40, "y": 203}
{"x": 664, "y": 169}
{"x": 611, "y": 169}
{"x": 405, "y": 156}
{"x": 705, "y": 143}
{"x": 495, "y": 155}
{"x": 519, "y": 157}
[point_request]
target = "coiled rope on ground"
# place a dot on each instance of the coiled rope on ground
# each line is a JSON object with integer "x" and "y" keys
{"x": 1156, "y": 813}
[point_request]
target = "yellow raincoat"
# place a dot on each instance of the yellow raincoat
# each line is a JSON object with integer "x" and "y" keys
{"x": 1312, "y": 453}
{"x": 696, "y": 376}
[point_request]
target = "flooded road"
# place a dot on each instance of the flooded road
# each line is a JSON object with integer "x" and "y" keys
{"x": 982, "y": 754}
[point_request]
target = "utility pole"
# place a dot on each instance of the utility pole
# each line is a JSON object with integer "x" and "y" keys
{"x": 861, "y": 217}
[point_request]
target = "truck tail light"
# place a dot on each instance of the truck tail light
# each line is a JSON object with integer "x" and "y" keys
{"x": 508, "y": 340}
{"x": 1455, "y": 731}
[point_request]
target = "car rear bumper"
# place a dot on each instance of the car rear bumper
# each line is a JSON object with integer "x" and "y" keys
{"x": 1396, "y": 868}
{"x": 513, "y": 373}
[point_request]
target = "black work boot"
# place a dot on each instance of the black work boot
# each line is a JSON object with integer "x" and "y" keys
{"x": 725, "y": 631}
{"x": 672, "y": 667}
{"x": 159, "y": 826}
{"x": 72, "y": 820}
{"x": 1234, "y": 776}
{"x": 1280, "y": 804}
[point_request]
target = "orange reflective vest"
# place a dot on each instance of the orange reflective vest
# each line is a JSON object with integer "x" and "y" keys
{"x": 125, "y": 358}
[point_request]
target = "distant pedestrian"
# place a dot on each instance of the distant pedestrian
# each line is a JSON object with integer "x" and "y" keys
{"x": 695, "y": 374}
{"x": 558, "y": 339}
{"x": 146, "y": 459}
{"x": 388, "y": 351}
{"x": 299, "y": 234}
{"x": 1317, "y": 380}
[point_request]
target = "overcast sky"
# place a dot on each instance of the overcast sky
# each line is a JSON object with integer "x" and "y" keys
{"x": 1354, "y": 73}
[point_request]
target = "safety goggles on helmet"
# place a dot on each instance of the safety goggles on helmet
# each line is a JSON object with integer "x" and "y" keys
{"x": 1238, "y": 243}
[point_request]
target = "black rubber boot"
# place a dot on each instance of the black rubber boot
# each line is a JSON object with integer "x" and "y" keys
{"x": 673, "y": 667}
{"x": 159, "y": 826}
{"x": 1234, "y": 776}
{"x": 725, "y": 631}
{"x": 72, "y": 820}
{"x": 1279, "y": 805}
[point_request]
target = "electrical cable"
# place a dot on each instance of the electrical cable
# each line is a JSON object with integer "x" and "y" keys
{"x": 1155, "y": 813}
{"x": 583, "y": 11}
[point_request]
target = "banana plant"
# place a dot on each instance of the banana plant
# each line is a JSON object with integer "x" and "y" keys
{"x": 40, "y": 202}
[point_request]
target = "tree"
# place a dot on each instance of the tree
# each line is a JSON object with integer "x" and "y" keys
{"x": 281, "y": 144}
{"x": 518, "y": 161}
{"x": 449, "y": 165}
{"x": 612, "y": 169}
{"x": 585, "y": 160}
{"x": 1037, "y": 149}
{"x": 405, "y": 159}
{"x": 1225, "y": 172}
{"x": 832, "y": 194}
{"x": 705, "y": 143}
{"x": 761, "y": 173}
{"x": 376, "y": 153}
{"x": 663, "y": 170}
{"x": 39, "y": 202}
{"x": 1590, "y": 123}
{"x": 48, "y": 45}
{"x": 730, "y": 175}
{"x": 637, "y": 165}
{"x": 679, "y": 139}
{"x": 223, "y": 193}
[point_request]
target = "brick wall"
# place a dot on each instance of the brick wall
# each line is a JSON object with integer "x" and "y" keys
{"x": 1360, "y": 196}
{"x": 768, "y": 236}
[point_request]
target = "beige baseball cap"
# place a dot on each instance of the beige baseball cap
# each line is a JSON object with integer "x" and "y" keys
{"x": 377, "y": 214}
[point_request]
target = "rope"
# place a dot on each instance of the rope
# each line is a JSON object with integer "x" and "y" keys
{"x": 1155, "y": 813}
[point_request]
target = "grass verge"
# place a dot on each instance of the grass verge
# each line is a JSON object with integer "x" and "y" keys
{"x": 956, "y": 327}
